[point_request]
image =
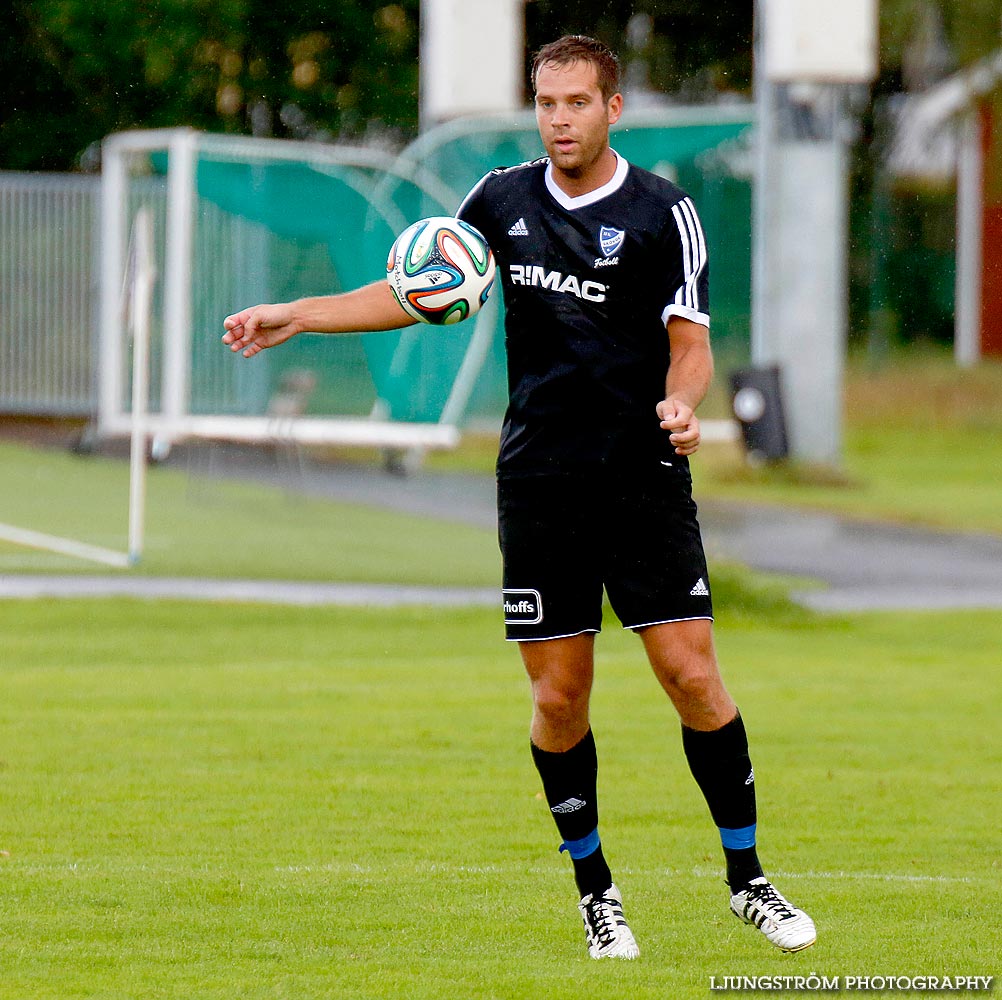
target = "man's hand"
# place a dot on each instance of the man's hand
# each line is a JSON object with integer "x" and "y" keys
{"x": 681, "y": 423}
{"x": 252, "y": 330}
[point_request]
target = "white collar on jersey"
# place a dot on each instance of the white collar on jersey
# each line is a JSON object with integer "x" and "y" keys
{"x": 590, "y": 197}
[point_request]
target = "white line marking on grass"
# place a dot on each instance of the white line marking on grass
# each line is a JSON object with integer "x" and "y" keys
{"x": 436, "y": 868}
{"x": 875, "y": 876}
{"x": 353, "y": 868}
{"x": 64, "y": 546}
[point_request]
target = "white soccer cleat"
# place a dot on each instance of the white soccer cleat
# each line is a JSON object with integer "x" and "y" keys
{"x": 606, "y": 929}
{"x": 788, "y": 928}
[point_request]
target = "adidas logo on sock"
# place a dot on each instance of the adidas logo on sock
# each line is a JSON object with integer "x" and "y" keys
{"x": 519, "y": 229}
{"x": 571, "y": 805}
{"x": 700, "y": 590}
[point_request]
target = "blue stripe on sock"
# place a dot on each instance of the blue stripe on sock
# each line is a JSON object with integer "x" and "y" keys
{"x": 583, "y": 847}
{"x": 736, "y": 840}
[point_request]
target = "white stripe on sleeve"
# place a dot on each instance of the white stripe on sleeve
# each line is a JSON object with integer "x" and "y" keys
{"x": 693, "y": 253}
{"x": 699, "y": 242}
{"x": 681, "y": 296}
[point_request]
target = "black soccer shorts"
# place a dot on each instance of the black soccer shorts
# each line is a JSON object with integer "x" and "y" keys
{"x": 564, "y": 538}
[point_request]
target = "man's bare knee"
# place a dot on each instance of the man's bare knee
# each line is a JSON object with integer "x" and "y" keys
{"x": 684, "y": 661}
{"x": 559, "y": 704}
{"x": 560, "y": 672}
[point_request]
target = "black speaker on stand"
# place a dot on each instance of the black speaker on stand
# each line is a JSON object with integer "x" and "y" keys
{"x": 757, "y": 404}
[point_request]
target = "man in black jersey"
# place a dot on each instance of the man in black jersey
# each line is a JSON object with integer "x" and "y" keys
{"x": 604, "y": 269}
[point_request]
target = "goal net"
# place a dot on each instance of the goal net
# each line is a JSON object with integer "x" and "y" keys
{"x": 239, "y": 221}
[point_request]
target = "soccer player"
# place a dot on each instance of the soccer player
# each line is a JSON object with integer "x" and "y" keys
{"x": 604, "y": 269}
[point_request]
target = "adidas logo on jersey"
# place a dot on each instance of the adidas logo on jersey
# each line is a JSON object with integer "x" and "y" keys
{"x": 519, "y": 229}
{"x": 700, "y": 590}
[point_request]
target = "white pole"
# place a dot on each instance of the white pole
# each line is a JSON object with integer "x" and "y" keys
{"x": 141, "y": 303}
{"x": 764, "y": 94}
{"x": 967, "y": 318}
{"x": 458, "y": 78}
{"x": 177, "y": 274}
{"x": 113, "y": 236}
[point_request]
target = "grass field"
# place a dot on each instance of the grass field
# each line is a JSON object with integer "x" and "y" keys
{"x": 219, "y": 801}
{"x": 199, "y": 526}
{"x": 922, "y": 443}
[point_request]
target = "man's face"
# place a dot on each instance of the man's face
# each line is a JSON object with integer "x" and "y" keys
{"x": 572, "y": 116}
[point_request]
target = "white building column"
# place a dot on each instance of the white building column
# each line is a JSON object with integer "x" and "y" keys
{"x": 471, "y": 58}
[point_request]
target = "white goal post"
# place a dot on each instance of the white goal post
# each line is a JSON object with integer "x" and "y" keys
{"x": 133, "y": 307}
{"x": 183, "y": 218}
{"x": 141, "y": 277}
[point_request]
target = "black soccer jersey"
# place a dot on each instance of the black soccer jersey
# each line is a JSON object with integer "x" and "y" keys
{"x": 588, "y": 283}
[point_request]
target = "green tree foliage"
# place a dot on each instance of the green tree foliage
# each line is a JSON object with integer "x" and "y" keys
{"x": 75, "y": 70}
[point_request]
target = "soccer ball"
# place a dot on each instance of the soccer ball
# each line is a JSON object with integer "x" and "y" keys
{"x": 441, "y": 270}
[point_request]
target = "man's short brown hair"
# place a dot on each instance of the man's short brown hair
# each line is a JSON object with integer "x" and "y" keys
{"x": 581, "y": 48}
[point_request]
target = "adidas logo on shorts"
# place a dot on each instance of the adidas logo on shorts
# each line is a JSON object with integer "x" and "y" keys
{"x": 700, "y": 590}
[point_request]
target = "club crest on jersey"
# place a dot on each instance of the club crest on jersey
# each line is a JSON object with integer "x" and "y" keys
{"x": 610, "y": 240}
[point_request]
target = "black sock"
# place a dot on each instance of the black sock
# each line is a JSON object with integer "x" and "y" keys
{"x": 742, "y": 866}
{"x": 569, "y": 784}
{"x": 720, "y": 764}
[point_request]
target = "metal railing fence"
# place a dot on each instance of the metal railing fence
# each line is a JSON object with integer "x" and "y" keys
{"x": 49, "y": 293}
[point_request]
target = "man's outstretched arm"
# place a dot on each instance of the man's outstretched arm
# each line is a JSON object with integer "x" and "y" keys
{"x": 371, "y": 307}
